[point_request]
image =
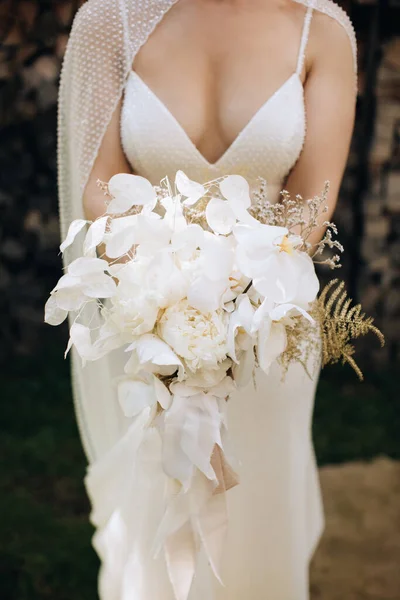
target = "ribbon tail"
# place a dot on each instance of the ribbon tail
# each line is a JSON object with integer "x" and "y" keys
{"x": 212, "y": 521}
{"x": 180, "y": 553}
{"x": 212, "y": 527}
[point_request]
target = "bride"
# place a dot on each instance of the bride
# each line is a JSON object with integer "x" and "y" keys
{"x": 254, "y": 87}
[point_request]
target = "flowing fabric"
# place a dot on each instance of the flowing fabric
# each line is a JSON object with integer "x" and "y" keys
{"x": 275, "y": 512}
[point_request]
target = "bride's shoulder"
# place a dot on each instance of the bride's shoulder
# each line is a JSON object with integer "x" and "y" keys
{"x": 332, "y": 26}
{"x": 97, "y": 17}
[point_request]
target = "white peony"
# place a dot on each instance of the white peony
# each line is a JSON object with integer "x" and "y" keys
{"x": 132, "y": 312}
{"x": 198, "y": 338}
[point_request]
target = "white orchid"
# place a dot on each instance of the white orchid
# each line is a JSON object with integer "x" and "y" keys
{"x": 269, "y": 324}
{"x": 269, "y": 256}
{"x": 213, "y": 273}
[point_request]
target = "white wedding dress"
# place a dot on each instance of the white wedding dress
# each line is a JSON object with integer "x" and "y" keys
{"x": 275, "y": 513}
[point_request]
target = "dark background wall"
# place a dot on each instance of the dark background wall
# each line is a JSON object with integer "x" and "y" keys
{"x": 44, "y": 535}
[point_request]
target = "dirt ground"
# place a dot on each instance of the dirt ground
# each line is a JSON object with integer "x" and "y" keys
{"x": 359, "y": 555}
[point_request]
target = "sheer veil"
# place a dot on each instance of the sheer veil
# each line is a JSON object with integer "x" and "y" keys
{"x": 104, "y": 40}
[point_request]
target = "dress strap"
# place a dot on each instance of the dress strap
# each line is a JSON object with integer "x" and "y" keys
{"x": 304, "y": 37}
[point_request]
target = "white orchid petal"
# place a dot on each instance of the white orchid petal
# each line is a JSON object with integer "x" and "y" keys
{"x": 271, "y": 343}
{"x": 192, "y": 190}
{"x": 244, "y": 369}
{"x": 95, "y": 235}
{"x": 163, "y": 395}
{"x": 73, "y": 230}
{"x": 130, "y": 190}
{"x": 217, "y": 256}
{"x": 206, "y": 295}
{"x": 262, "y": 314}
{"x": 53, "y": 314}
{"x": 220, "y": 216}
{"x": 259, "y": 239}
{"x": 308, "y": 283}
{"x": 282, "y": 310}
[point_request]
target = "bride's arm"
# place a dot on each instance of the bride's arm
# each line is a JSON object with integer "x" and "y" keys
{"x": 330, "y": 97}
{"x": 110, "y": 161}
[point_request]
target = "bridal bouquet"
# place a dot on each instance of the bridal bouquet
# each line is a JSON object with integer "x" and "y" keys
{"x": 201, "y": 284}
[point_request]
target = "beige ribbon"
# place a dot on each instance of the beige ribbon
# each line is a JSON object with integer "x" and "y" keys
{"x": 205, "y": 522}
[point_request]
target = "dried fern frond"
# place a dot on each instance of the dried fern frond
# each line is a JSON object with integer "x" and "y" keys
{"x": 340, "y": 324}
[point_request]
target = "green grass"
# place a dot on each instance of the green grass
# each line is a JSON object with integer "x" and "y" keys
{"x": 45, "y": 550}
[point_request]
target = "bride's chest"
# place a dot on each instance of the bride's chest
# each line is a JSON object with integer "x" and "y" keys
{"x": 214, "y": 69}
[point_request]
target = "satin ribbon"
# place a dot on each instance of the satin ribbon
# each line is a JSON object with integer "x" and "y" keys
{"x": 193, "y": 519}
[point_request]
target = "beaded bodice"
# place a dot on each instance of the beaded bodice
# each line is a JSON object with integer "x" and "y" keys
{"x": 269, "y": 145}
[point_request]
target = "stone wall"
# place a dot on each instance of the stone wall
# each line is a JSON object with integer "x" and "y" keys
{"x": 33, "y": 36}
{"x": 381, "y": 244}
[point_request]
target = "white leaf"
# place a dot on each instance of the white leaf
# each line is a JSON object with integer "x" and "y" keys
{"x": 67, "y": 281}
{"x": 70, "y": 299}
{"x": 118, "y": 244}
{"x": 101, "y": 286}
{"x": 87, "y": 265}
{"x": 198, "y": 438}
{"x": 187, "y": 240}
{"x": 130, "y": 190}
{"x": 73, "y": 231}
{"x": 81, "y": 339}
{"x": 134, "y": 396}
{"x": 95, "y": 235}
{"x": 219, "y": 216}
{"x": 53, "y": 315}
{"x": 192, "y": 190}
{"x": 176, "y": 463}
{"x": 236, "y": 188}
{"x": 150, "y": 348}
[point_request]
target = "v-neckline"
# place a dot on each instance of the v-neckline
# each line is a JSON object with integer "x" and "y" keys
{"x": 237, "y": 139}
